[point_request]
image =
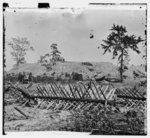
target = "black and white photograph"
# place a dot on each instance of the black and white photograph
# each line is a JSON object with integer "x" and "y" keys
{"x": 73, "y": 69}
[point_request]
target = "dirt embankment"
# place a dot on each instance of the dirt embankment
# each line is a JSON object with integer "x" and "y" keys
{"x": 38, "y": 119}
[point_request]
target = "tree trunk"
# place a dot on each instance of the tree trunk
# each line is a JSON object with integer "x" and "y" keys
{"x": 17, "y": 65}
{"x": 121, "y": 67}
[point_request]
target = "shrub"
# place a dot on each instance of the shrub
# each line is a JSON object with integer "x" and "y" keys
{"x": 11, "y": 77}
{"x": 76, "y": 76}
{"x": 105, "y": 122}
{"x": 90, "y": 69}
{"x": 87, "y": 63}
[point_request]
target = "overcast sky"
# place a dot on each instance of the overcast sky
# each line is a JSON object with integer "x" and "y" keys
{"x": 72, "y": 32}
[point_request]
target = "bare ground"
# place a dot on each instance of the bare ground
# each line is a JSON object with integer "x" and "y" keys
{"x": 38, "y": 119}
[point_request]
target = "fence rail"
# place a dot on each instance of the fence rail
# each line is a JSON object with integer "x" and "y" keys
{"x": 79, "y": 95}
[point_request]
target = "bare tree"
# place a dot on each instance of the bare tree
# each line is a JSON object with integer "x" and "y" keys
{"x": 19, "y": 46}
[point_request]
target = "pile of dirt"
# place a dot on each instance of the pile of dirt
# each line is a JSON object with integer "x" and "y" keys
{"x": 95, "y": 68}
{"x": 69, "y": 67}
{"x": 35, "y": 68}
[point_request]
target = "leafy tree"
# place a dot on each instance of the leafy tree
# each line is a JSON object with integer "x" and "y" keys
{"x": 19, "y": 46}
{"x": 43, "y": 59}
{"x": 52, "y": 58}
{"x": 119, "y": 43}
{"x": 55, "y": 54}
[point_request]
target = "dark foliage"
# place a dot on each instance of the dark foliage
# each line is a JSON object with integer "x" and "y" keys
{"x": 76, "y": 76}
{"x": 44, "y": 78}
{"x": 102, "y": 122}
{"x": 87, "y": 63}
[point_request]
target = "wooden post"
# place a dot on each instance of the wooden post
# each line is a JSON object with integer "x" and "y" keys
{"x": 97, "y": 90}
{"x": 39, "y": 90}
{"x": 39, "y": 104}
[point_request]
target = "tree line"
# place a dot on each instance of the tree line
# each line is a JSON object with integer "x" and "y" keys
{"x": 118, "y": 42}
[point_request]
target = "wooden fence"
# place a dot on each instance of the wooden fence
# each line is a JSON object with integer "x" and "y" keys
{"x": 79, "y": 96}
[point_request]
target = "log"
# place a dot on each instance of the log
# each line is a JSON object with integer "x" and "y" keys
{"x": 76, "y": 99}
{"x": 24, "y": 93}
{"x": 134, "y": 98}
{"x": 21, "y": 112}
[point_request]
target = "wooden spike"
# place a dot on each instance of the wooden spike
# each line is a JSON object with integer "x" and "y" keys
{"x": 132, "y": 93}
{"x": 27, "y": 101}
{"x": 89, "y": 106}
{"x": 75, "y": 105}
{"x": 50, "y": 88}
{"x": 50, "y": 104}
{"x": 86, "y": 106}
{"x": 22, "y": 113}
{"x": 121, "y": 92}
{"x": 23, "y": 91}
{"x": 71, "y": 90}
{"x": 127, "y": 92}
{"x": 76, "y": 89}
{"x": 118, "y": 91}
{"x": 70, "y": 106}
{"x": 44, "y": 90}
{"x": 86, "y": 92}
{"x": 99, "y": 96}
{"x": 97, "y": 106}
{"x": 135, "y": 93}
{"x": 82, "y": 93}
{"x": 92, "y": 93}
{"x": 50, "y": 91}
{"x": 59, "y": 90}
{"x": 79, "y": 106}
{"x": 83, "y": 106}
{"x": 102, "y": 93}
{"x": 47, "y": 91}
{"x": 39, "y": 104}
{"x": 112, "y": 94}
{"x": 63, "y": 93}
{"x": 129, "y": 97}
{"x": 136, "y": 105}
{"x": 66, "y": 92}
{"x": 56, "y": 106}
{"x": 36, "y": 92}
{"x": 105, "y": 89}
{"x": 139, "y": 89}
{"x": 108, "y": 95}
{"x": 15, "y": 92}
{"x": 61, "y": 106}
{"x": 54, "y": 91}
{"x": 53, "y": 105}
{"x": 65, "y": 107}
{"x": 39, "y": 90}
{"x": 143, "y": 92}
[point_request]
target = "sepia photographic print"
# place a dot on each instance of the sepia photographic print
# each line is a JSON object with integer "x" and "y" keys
{"x": 75, "y": 69}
